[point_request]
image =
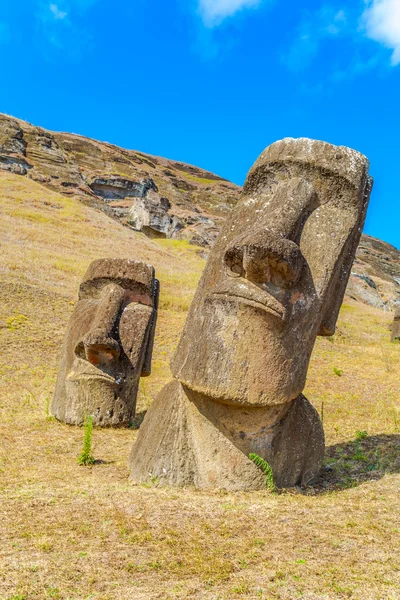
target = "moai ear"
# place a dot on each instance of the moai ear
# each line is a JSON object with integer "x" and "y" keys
{"x": 146, "y": 369}
{"x": 339, "y": 284}
{"x": 334, "y": 302}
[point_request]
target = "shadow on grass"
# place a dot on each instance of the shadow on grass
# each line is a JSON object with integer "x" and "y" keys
{"x": 352, "y": 463}
{"x": 138, "y": 420}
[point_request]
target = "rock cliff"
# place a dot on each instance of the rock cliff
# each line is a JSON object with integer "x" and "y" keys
{"x": 375, "y": 277}
{"x": 161, "y": 197}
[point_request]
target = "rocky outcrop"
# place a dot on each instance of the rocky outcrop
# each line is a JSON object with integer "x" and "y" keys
{"x": 150, "y": 214}
{"x": 152, "y": 194}
{"x": 13, "y": 149}
{"x": 375, "y": 277}
{"x": 113, "y": 188}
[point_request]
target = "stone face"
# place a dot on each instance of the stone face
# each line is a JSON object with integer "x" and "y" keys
{"x": 396, "y": 325}
{"x": 275, "y": 280}
{"x": 108, "y": 344}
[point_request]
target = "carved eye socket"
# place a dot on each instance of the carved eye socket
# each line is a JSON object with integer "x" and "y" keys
{"x": 235, "y": 269}
{"x": 233, "y": 262}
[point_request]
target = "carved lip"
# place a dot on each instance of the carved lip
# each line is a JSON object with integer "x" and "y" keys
{"x": 84, "y": 371}
{"x": 255, "y": 304}
{"x": 252, "y": 295}
{"x": 82, "y": 376}
{"x": 90, "y": 376}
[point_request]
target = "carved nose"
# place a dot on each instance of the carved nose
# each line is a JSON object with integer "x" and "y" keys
{"x": 101, "y": 353}
{"x": 99, "y": 344}
{"x": 271, "y": 260}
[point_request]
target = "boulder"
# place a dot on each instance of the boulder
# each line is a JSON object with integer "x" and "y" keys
{"x": 151, "y": 215}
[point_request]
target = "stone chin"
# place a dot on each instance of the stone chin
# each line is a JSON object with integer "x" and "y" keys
{"x": 249, "y": 357}
{"x": 91, "y": 391}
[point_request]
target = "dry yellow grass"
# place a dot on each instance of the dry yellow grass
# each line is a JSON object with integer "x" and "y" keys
{"x": 72, "y": 532}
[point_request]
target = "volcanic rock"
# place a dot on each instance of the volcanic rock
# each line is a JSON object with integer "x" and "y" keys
{"x": 275, "y": 279}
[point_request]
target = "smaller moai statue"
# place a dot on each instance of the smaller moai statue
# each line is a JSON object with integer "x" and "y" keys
{"x": 108, "y": 344}
{"x": 395, "y": 336}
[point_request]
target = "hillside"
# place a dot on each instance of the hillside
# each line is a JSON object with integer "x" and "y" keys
{"x": 164, "y": 198}
{"x": 160, "y": 197}
{"x": 86, "y": 532}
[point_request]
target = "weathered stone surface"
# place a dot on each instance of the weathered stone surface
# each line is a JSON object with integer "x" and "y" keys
{"x": 207, "y": 444}
{"x": 108, "y": 344}
{"x": 395, "y": 336}
{"x": 150, "y": 214}
{"x": 13, "y": 149}
{"x": 275, "y": 280}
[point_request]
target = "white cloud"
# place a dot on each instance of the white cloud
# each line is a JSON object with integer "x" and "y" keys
{"x": 60, "y": 27}
{"x": 214, "y": 12}
{"x": 382, "y": 23}
{"x": 56, "y": 12}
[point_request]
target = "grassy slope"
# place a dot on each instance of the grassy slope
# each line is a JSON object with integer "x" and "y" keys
{"x": 76, "y": 532}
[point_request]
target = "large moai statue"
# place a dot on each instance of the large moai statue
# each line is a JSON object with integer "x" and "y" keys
{"x": 108, "y": 344}
{"x": 395, "y": 329}
{"x": 275, "y": 280}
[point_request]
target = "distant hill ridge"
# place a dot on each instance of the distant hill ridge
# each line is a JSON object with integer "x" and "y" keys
{"x": 161, "y": 197}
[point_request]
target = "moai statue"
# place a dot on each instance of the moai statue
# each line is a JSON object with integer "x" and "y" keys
{"x": 275, "y": 279}
{"x": 108, "y": 344}
{"x": 395, "y": 335}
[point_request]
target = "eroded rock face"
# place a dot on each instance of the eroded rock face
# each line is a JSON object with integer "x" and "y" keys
{"x": 275, "y": 280}
{"x": 150, "y": 213}
{"x": 108, "y": 344}
{"x": 114, "y": 188}
{"x": 376, "y": 274}
{"x": 395, "y": 337}
{"x": 13, "y": 149}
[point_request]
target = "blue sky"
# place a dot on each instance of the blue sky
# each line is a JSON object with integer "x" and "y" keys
{"x": 212, "y": 82}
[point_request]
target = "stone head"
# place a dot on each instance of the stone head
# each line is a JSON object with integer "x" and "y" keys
{"x": 108, "y": 343}
{"x": 276, "y": 276}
